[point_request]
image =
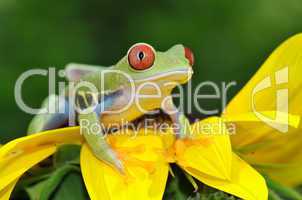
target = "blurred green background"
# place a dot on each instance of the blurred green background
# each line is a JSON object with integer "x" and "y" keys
{"x": 230, "y": 39}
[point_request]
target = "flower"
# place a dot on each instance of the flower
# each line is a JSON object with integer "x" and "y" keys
{"x": 216, "y": 159}
{"x": 207, "y": 157}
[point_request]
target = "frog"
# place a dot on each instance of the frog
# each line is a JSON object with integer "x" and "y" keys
{"x": 114, "y": 92}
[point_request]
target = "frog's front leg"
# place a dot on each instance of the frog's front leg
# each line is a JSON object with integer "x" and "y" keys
{"x": 181, "y": 123}
{"x": 93, "y": 132}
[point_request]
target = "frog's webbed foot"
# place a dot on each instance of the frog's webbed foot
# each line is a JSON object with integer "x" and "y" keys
{"x": 109, "y": 156}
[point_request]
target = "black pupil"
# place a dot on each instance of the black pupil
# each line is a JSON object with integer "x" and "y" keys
{"x": 141, "y": 55}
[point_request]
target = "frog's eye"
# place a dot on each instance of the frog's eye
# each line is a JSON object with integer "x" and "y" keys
{"x": 141, "y": 56}
{"x": 189, "y": 55}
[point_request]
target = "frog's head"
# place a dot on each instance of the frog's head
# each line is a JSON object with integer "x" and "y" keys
{"x": 143, "y": 63}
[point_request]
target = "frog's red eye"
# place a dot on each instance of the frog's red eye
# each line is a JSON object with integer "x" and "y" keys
{"x": 189, "y": 55}
{"x": 141, "y": 56}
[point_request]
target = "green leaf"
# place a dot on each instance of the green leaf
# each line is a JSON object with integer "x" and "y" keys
{"x": 42, "y": 185}
{"x": 68, "y": 153}
{"x": 174, "y": 192}
{"x": 178, "y": 187}
{"x": 283, "y": 191}
{"x": 35, "y": 190}
{"x": 208, "y": 193}
{"x": 44, "y": 189}
{"x": 54, "y": 181}
{"x": 272, "y": 195}
{"x": 72, "y": 188}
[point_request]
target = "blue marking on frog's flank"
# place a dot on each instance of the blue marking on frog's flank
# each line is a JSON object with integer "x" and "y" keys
{"x": 106, "y": 102}
{"x": 55, "y": 120}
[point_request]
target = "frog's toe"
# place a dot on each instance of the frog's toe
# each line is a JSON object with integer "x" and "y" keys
{"x": 120, "y": 166}
{"x": 111, "y": 158}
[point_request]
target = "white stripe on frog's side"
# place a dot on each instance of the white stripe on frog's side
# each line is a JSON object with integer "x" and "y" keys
{"x": 189, "y": 72}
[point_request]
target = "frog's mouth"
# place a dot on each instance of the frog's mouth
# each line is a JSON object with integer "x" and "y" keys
{"x": 180, "y": 76}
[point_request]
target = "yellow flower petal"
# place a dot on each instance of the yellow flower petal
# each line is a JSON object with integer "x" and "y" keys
{"x": 260, "y": 143}
{"x": 247, "y": 125}
{"x": 146, "y": 170}
{"x": 286, "y": 56}
{"x": 5, "y": 193}
{"x": 281, "y": 72}
{"x": 13, "y": 169}
{"x": 290, "y": 175}
{"x": 209, "y": 150}
{"x": 57, "y": 136}
{"x": 280, "y": 157}
{"x": 245, "y": 182}
{"x": 17, "y": 156}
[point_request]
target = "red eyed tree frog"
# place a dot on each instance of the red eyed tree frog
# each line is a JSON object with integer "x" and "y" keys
{"x": 115, "y": 100}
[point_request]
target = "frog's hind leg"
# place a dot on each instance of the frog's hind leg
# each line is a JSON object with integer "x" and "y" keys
{"x": 57, "y": 118}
